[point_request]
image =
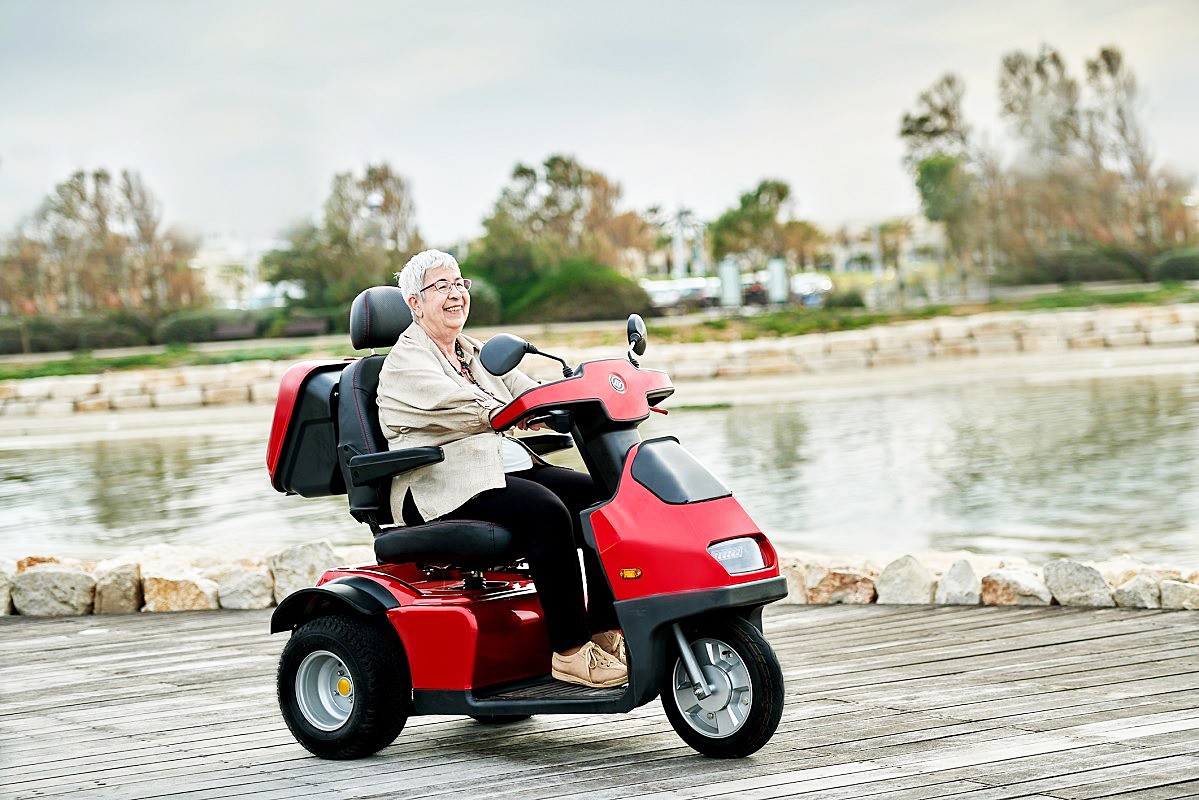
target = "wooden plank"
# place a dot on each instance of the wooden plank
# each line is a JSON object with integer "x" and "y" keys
{"x": 881, "y": 701}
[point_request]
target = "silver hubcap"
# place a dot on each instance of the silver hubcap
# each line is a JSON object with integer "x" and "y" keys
{"x": 324, "y": 690}
{"x": 723, "y": 712}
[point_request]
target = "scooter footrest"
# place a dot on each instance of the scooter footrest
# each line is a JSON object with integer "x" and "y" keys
{"x": 548, "y": 688}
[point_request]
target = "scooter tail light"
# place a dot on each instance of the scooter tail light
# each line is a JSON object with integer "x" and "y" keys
{"x": 738, "y": 555}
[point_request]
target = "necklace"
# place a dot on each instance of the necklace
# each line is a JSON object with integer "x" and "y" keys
{"x": 464, "y": 369}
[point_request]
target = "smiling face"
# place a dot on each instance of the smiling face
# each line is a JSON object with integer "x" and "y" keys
{"x": 441, "y": 315}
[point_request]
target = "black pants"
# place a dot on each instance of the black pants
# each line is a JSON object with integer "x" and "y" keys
{"x": 540, "y": 507}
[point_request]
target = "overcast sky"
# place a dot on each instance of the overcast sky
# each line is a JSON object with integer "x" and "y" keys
{"x": 237, "y": 114}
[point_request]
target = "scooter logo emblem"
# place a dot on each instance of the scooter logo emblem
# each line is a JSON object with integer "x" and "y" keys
{"x": 617, "y": 383}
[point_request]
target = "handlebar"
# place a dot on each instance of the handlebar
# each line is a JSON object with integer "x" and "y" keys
{"x": 623, "y": 392}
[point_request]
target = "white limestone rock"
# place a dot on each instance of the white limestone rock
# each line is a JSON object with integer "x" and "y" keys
{"x": 833, "y": 585}
{"x": 118, "y": 587}
{"x": 1075, "y": 584}
{"x": 244, "y": 584}
{"x": 8, "y": 569}
{"x": 1139, "y": 591}
{"x": 299, "y": 567}
{"x": 356, "y": 554}
{"x": 179, "y": 591}
{"x": 53, "y": 590}
{"x": 1011, "y": 586}
{"x": 797, "y": 587}
{"x": 905, "y": 581}
{"x": 959, "y": 586}
{"x": 1123, "y": 568}
{"x": 1176, "y": 594}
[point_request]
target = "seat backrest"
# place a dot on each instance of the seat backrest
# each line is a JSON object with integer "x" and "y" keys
{"x": 378, "y": 316}
{"x": 358, "y": 432}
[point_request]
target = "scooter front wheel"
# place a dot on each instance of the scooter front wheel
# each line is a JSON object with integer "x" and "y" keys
{"x": 343, "y": 686}
{"x": 745, "y": 682}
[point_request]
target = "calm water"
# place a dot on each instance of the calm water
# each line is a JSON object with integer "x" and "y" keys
{"x": 1087, "y": 469}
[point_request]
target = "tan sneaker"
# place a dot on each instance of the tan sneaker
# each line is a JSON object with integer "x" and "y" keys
{"x": 612, "y": 643}
{"x": 591, "y": 666}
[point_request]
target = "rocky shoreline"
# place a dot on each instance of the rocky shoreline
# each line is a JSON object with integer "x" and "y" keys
{"x": 166, "y": 579}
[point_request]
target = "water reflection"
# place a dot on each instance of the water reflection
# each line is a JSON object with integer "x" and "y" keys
{"x": 1085, "y": 469}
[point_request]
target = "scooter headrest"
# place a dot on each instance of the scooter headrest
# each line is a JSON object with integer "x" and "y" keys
{"x": 377, "y": 317}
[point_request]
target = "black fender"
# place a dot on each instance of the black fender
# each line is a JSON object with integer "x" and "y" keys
{"x": 646, "y": 623}
{"x": 352, "y": 593}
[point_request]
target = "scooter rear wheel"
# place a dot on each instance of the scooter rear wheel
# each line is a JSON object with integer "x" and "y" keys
{"x": 746, "y": 703}
{"x": 343, "y": 686}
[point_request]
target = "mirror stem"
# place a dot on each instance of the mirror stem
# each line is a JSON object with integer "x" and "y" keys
{"x": 566, "y": 369}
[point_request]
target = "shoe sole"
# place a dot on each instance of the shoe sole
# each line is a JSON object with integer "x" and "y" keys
{"x": 577, "y": 681}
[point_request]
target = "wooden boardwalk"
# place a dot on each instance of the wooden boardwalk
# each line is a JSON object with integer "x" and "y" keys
{"x": 894, "y": 702}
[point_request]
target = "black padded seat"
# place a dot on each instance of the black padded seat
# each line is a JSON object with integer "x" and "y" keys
{"x": 471, "y": 544}
{"x": 377, "y": 318}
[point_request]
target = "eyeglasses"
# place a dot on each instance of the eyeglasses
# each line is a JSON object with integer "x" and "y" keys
{"x": 443, "y": 286}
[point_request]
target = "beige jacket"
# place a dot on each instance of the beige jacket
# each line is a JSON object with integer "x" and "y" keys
{"x": 423, "y": 401}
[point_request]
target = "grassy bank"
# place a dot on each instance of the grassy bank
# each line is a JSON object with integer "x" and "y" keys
{"x": 788, "y": 322}
{"x": 173, "y": 356}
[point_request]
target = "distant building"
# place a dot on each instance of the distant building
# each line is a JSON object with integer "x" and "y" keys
{"x": 231, "y": 271}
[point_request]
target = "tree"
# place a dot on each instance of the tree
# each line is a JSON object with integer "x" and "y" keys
{"x": 555, "y": 212}
{"x": 939, "y": 154}
{"x": 96, "y": 244}
{"x": 1087, "y": 178}
{"x": 1041, "y": 99}
{"x": 367, "y": 233}
{"x": 937, "y": 126}
{"x": 754, "y": 227}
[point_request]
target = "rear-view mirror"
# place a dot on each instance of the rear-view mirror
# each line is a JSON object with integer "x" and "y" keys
{"x": 503, "y": 352}
{"x": 637, "y": 334}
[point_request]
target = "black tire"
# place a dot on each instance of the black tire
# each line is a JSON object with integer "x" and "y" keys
{"x": 499, "y": 719}
{"x": 745, "y": 711}
{"x": 362, "y": 665}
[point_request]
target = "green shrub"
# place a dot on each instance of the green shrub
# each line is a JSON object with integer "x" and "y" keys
{"x": 336, "y": 318}
{"x": 1082, "y": 266}
{"x": 51, "y": 334}
{"x": 101, "y": 333}
{"x": 484, "y": 302}
{"x": 1177, "y": 265}
{"x": 845, "y": 298}
{"x": 10, "y": 337}
{"x": 578, "y": 291}
{"x": 186, "y": 326}
{"x": 206, "y": 325}
{"x": 139, "y": 324}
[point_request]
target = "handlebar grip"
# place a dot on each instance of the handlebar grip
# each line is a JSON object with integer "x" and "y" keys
{"x": 554, "y": 420}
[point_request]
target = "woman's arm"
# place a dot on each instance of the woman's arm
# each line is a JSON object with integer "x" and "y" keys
{"x": 416, "y": 393}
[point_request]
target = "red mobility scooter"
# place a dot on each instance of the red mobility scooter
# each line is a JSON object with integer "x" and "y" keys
{"x": 448, "y": 622}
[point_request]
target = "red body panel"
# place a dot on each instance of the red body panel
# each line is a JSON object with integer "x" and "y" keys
{"x": 290, "y": 386}
{"x": 668, "y": 543}
{"x": 598, "y": 381}
{"x": 456, "y": 639}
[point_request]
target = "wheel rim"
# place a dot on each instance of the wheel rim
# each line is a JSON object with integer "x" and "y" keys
{"x": 723, "y": 712}
{"x": 324, "y": 690}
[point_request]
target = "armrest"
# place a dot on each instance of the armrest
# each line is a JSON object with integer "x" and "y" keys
{"x": 368, "y": 468}
{"x": 542, "y": 443}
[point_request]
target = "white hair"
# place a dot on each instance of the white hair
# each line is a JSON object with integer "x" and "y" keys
{"x": 412, "y": 277}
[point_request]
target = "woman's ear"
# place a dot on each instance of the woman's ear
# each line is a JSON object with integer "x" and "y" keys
{"x": 413, "y": 304}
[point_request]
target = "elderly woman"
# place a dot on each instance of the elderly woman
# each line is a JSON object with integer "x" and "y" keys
{"x": 434, "y": 391}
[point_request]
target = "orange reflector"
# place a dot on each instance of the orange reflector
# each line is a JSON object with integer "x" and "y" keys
{"x": 630, "y": 574}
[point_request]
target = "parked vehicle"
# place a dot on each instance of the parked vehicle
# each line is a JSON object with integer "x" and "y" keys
{"x": 448, "y": 621}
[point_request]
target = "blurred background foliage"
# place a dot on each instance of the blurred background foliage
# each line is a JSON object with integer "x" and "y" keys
{"x": 1072, "y": 196}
